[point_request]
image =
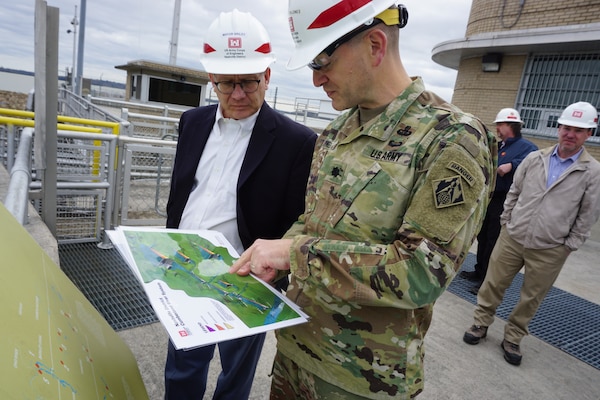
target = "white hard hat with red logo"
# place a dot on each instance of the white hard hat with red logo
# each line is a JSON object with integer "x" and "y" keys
{"x": 236, "y": 43}
{"x": 579, "y": 115}
{"x": 315, "y": 24}
{"x": 508, "y": 115}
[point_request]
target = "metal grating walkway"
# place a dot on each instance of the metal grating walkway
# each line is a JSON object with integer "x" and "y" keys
{"x": 563, "y": 320}
{"x": 108, "y": 283}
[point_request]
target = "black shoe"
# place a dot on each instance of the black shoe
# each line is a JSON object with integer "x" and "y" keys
{"x": 472, "y": 276}
{"x": 512, "y": 352}
{"x": 475, "y": 288}
{"x": 474, "y": 334}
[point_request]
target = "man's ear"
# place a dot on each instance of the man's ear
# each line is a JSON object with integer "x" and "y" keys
{"x": 378, "y": 44}
{"x": 267, "y": 76}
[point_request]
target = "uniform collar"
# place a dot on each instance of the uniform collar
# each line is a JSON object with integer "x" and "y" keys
{"x": 385, "y": 126}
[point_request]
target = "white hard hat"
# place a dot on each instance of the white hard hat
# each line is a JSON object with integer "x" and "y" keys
{"x": 508, "y": 115}
{"x": 579, "y": 115}
{"x": 315, "y": 24}
{"x": 236, "y": 43}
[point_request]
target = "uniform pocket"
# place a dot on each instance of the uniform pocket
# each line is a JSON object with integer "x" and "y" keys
{"x": 371, "y": 208}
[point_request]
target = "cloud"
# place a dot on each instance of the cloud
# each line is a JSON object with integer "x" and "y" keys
{"x": 119, "y": 31}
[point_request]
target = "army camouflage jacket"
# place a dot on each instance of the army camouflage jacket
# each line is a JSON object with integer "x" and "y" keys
{"x": 392, "y": 208}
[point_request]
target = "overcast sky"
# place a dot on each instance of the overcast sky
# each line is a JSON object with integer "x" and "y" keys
{"x": 119, "y": 31}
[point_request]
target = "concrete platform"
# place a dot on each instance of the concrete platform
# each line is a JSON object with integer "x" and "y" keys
{"x": 453, "y": 369}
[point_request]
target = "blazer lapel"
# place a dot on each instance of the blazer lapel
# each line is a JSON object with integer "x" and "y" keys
{"x": 260, "y": 142}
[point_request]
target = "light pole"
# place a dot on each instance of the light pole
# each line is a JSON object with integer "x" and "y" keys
{"x": 74, "y": 22}
{"x": 175, "y": 33}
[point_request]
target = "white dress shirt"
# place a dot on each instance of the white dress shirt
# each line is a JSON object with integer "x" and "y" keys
{"x": 212, "y": 202}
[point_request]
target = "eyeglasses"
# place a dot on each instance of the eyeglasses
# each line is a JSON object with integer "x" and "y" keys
{"x": 324, "y": 58}
{"x": 228, "y": 87}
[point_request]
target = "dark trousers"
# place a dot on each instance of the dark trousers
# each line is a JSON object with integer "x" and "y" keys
{"x": 186, "y": 372}
{"x": 486, "y": 239}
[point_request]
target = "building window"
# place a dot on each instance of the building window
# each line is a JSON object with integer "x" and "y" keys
{"x": 553, "y": 81}
{"x": 174, "y": 92}
{"x": 136, "y": 87}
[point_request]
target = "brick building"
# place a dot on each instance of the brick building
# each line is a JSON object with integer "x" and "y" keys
{"x": 537, "y": 56}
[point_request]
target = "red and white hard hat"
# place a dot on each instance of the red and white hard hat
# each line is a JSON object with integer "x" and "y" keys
{"x": 508, "y": 115}
{"x": 580, "y": 115}
{"x": 236, "y": 43}
{"x": 315, "y": 24}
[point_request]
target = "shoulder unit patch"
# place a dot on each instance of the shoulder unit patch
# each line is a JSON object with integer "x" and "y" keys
{"x": 448, "y": 192}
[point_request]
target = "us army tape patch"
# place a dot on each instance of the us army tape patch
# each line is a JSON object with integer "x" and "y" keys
{"x": 462, "y": 171}
{"x": 448, "y": 192}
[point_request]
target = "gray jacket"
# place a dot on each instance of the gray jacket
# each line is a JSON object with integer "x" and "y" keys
{"x": 563, "y": 214}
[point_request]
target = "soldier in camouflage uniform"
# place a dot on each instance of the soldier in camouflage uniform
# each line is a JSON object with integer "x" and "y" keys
{"x": 396, "y": 195}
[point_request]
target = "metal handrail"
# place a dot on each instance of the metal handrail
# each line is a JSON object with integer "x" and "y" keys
{"x": 20, "y": 183}
{"x": 152, "y": 107}
{"x": 26, "y": 118}
{"x": 20, "y": 177}
{"x": 72, "y": 104}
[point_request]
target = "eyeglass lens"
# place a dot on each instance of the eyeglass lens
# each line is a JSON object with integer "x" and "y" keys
{"x": 228, "y": 87}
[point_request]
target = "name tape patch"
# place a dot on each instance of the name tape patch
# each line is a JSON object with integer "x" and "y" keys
{"x": 462, "y": 171}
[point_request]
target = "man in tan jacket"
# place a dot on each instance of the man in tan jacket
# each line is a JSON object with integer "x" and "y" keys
{"x": 548, "y": 213}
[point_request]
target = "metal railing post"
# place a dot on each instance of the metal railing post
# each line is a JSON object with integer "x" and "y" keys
{"x": 10, "y": 146}
{"x": 110, "y": 192}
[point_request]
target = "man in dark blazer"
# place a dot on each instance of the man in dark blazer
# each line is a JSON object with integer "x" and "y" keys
{"x": 240, "y": 168}
{"x": 272, "y": 181}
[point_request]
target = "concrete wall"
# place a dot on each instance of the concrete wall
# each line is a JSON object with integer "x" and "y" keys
{"x": 35, "y": 226}
{"x": 13, "y": 100}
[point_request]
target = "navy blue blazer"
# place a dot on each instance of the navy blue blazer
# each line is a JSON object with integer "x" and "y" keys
{"x": 272, "y": 181}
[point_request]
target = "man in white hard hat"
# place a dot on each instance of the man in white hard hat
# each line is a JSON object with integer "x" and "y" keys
{"x": 549, "y": 211}
{"x": 241, "y": 169}
{"x": 398, "y": 188}
{"x": 512, "y": 150}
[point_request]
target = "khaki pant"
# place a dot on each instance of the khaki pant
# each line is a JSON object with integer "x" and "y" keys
{"x": 541, "y": 268}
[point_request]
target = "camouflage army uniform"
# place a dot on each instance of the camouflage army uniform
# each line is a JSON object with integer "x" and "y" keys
{"x": 392, "y": 209}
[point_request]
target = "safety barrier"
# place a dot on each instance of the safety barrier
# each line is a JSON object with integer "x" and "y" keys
{"x": 110, "y": 171}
